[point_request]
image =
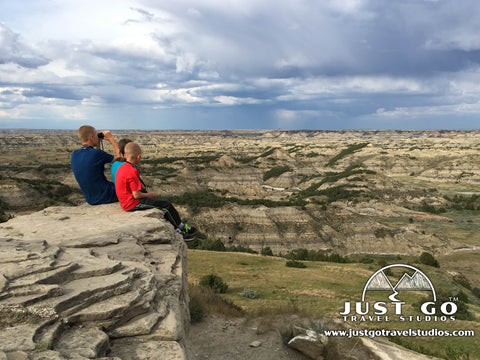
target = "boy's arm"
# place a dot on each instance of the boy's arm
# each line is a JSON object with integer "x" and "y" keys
{"x": 109, "y": 137}
{"x": 140, "y": 194}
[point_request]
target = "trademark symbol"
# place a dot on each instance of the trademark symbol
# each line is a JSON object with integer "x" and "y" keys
{"x": 453, "y": 299}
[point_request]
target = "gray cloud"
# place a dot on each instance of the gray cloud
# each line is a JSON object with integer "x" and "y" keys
{"x": 51, "y": 92}
{"x": 316, "y": 38}
{"x": 293, "y": 60}
{"x": 13, "y": 50}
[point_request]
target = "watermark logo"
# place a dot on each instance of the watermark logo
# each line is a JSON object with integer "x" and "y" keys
{"x": 411, "y": 279}
{"x": 418, "y": 281}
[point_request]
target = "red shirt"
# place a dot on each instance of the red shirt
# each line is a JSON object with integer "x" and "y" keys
{"x": 127, "y": 181}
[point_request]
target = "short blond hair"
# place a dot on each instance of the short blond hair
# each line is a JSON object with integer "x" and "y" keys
{"x": 132, "y": 149}
{"x": 84, "y": 132}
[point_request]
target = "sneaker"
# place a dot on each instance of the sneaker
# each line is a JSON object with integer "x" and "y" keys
{"x": 188, "y": 232}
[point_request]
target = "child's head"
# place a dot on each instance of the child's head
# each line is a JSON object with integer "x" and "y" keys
{"x": 121, "y": 145}
{"x": 133, "y": 152}
{"x": 88, "y": 135}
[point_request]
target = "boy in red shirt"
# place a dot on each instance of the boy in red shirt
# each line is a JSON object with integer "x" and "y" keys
{"x": 132, "y": 197}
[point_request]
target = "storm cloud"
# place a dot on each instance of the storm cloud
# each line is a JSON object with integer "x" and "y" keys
{"x": 265, "y": 64}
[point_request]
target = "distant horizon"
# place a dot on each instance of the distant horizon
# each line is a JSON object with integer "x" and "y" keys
{"x": 239, "y": 129}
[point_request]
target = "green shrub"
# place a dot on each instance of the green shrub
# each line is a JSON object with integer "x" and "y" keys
{"x": 345, "y": 152}
{"x": 476, "y": 292}
{"x": 462, "y": 280}
{"x": 336, "y": 193}
{"x": 428, "y": 259}
{"x": 268, "y": 152}
{"x": 242, "y": 249}
{"x": 298, "y": 254}
{"x": 444, "y": 295}
{"x": 214, "y": 282}
{"x": 295, "y": 264}
{"x": 463, "y": 311}
{"x": 3, "y": 217}
{"x": 337, "y": 258}
{"x": 431, "y": 209}
{"x": 249, "y": 293}
{"x": 461, "y": 202}
{"x": 43, "y": 346}
{"x": 212, "y": 245}
{"x": 312, "y": 255}
{"x": 194, "y": 244}
{"x": 383, "y": 232}
{"x": 266, "y": 251}
{"x": 367, "y": 260}
{"x": 382, "y": 262}
{"x": 276, "y": 172}
{"x": 462, "y": 296}
{"x": 197, "y": 312}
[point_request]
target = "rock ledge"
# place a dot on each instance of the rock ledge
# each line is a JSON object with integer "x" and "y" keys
{"x": 92, "y": 282}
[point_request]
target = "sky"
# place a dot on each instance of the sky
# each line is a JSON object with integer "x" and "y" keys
{"x": 240, "y": 64}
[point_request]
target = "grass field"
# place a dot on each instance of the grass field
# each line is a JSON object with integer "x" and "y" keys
{"x": 463, "y": 230}
{"x": 320, "y": 290}
{"x": 441, "y": 186}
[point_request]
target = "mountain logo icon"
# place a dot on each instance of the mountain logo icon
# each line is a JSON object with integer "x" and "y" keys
{"x": 416, "y": 282}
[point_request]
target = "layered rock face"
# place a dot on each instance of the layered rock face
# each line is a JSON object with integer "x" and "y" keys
{"x": 92, "y": 282}
{"x": 346, "y": 231}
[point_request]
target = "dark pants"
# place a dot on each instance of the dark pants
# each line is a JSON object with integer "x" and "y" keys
{"x": 171, "y": 213}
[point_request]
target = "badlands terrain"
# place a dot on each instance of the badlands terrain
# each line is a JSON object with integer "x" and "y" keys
{"x": 370, "y": 196}
{"x": 355, "y": 193}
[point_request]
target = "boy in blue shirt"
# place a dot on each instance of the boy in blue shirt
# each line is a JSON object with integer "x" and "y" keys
{"x": 88, "y": 166}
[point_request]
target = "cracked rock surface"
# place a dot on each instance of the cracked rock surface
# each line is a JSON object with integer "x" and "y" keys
{"x": 92, "y": 282}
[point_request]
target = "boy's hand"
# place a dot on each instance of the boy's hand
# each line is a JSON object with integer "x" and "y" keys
{"x": 141, "y": 194}
{"x": 107, "y": 135}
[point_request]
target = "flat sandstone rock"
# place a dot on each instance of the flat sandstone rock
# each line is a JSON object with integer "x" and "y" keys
{"x": 73, "y": 279}
{"x": 88, "y": 226}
